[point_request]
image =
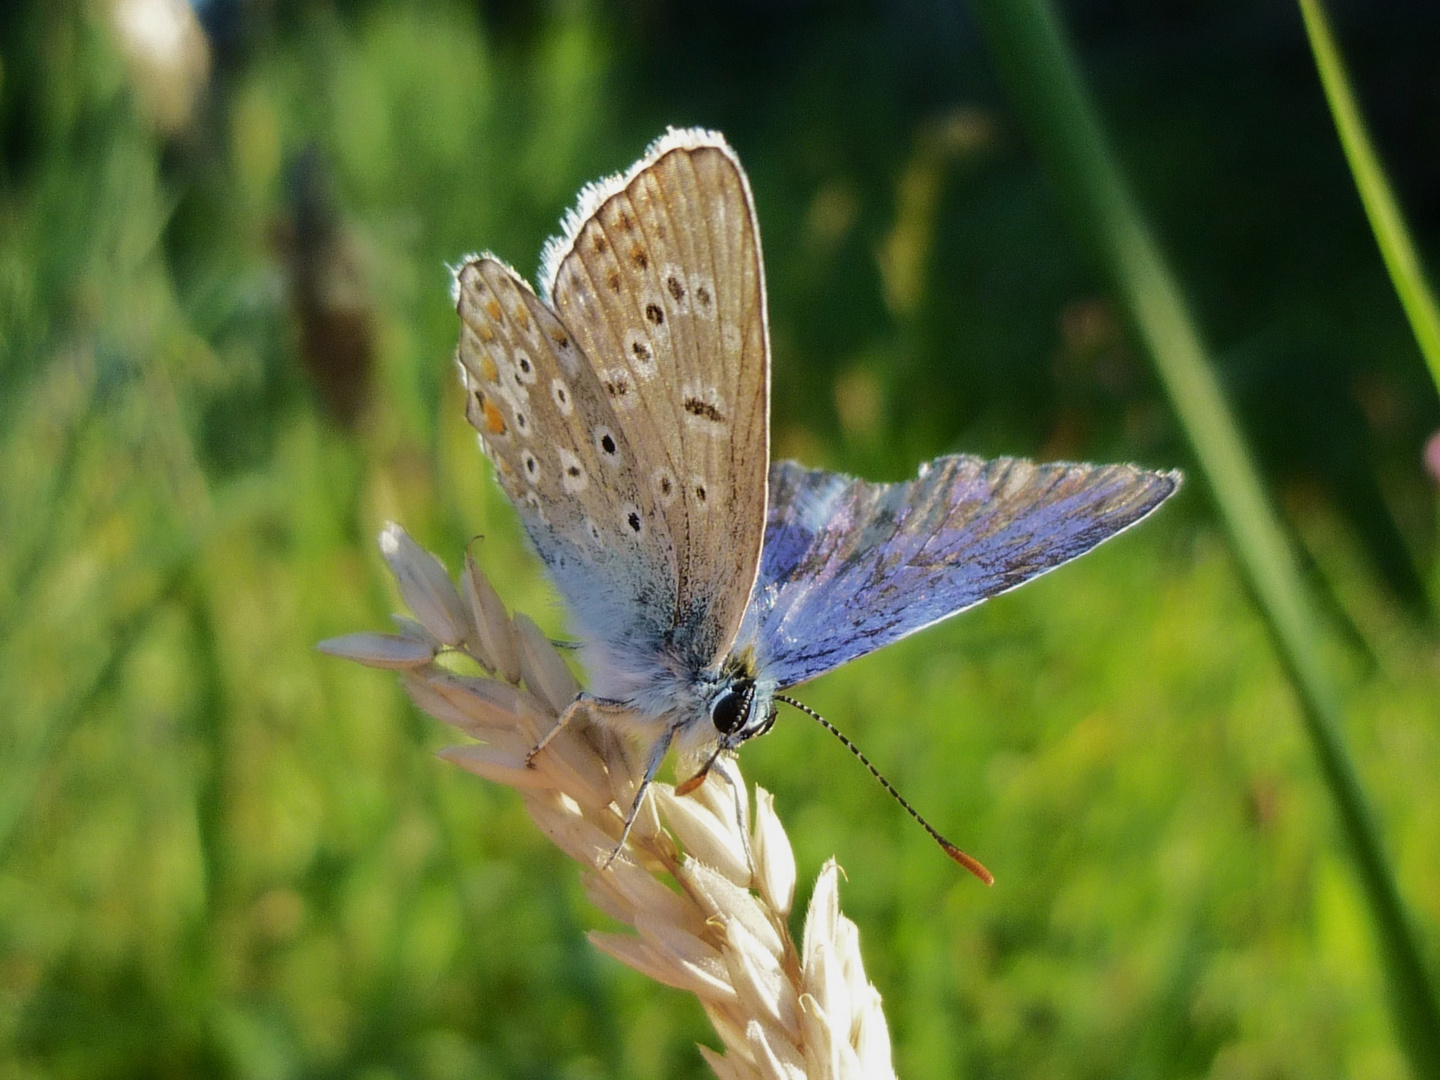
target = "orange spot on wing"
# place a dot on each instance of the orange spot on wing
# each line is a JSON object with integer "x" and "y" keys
{"x": 486, "y": 334}
{"x": 492, "y": 308}
{"x": 522, "y": 316}
{"x": 488, "y": 368}
{"x": 493, "y": 419}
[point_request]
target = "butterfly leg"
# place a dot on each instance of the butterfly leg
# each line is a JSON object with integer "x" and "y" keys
{"x": 657, "y": 755}
{"x": 721, "y": 768}
{"x": 718, "y": 763}
{"x": 594, "y": 704}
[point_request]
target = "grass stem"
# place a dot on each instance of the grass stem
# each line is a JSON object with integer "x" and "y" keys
{"x": 1386, "y": 220}
{"x": 1041, "y": 74}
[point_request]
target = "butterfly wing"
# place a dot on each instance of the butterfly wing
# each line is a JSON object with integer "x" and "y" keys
{"x": 659, "y": 276}
{"x": 850, "y": 566}
{"x": 562, "y": 456}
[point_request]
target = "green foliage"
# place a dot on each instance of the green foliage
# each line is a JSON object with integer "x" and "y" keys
{"x": 1034, "y": 53}
{"x": 1386, "y": 220}
{"x": 222, "y": 854}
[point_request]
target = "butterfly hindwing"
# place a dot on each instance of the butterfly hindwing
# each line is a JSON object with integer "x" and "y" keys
{"x": 563, "y": 458}
{"x": 660, "y": 277}
{"x": 850, "y": 566}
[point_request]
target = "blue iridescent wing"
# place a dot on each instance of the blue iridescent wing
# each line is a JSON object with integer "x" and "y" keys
{"x": 850, "y": 566}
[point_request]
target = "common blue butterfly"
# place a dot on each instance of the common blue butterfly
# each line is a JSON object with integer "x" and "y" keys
{"x": 626, "y": 412}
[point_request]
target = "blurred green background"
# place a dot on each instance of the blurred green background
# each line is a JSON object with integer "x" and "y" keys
{"x": 225, "y": 332}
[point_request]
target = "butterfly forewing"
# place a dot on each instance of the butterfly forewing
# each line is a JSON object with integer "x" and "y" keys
{"x": 663, "y": 286}
{"x": 563, "y": 458}
{"x": 850, "y": 565}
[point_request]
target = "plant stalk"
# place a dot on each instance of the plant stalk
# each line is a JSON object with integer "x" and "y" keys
{"x": 1043, "y": 79}
{"x": 1386, "y": 220}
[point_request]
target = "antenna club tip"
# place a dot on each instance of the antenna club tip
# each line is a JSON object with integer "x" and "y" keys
{"x": 969, "y": 862}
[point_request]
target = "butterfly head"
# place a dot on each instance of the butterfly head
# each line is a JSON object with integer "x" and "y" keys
{"x": 742, "y": 705}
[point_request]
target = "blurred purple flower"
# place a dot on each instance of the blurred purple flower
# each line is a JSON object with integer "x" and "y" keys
{"x": 1432, "y": 456}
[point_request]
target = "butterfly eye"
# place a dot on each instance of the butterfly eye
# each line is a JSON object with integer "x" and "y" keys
{"x": 728, "y": 712}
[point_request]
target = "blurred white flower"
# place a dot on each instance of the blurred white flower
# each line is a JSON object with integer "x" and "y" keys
{"x": 167, "y": 55}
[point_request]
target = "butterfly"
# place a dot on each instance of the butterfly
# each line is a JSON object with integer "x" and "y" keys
{"x": 625, "y": 409}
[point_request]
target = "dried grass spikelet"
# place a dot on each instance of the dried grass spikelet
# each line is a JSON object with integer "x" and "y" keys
{"x": 781, "y": 1013}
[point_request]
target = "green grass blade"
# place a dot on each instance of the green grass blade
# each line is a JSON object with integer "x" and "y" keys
{"x": 1042, "y": 77}
{"x": 1386, "y": 221}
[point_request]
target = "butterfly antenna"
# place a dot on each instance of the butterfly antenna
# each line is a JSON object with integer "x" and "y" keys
{"x": 969, "y": 862}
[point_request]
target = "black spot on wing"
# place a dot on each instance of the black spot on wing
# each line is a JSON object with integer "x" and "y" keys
{"x": 695, "y": 407}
